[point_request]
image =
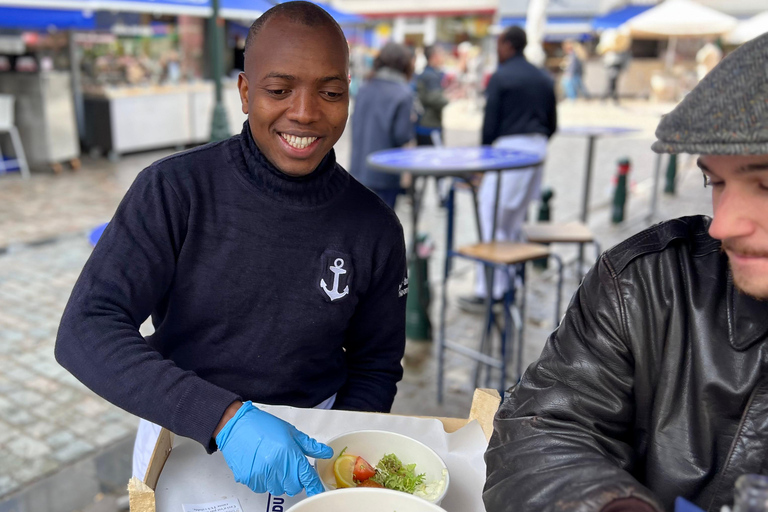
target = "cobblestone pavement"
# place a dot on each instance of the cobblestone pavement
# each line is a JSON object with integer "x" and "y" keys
{"x": 50, "y": 423}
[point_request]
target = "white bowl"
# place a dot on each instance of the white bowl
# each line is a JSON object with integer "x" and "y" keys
{"x": 365, "y": 499}
{"x": 372, "y": 445}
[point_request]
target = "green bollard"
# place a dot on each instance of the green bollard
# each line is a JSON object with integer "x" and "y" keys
{"x": 417, "y": 323}
{"x": 669, "y": 187}
{"x": 544, "y": 216}
{"x": 620, "y": 194}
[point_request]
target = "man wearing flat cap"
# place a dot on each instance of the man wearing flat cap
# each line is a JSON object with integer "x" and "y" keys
{"x": 654, "y": 385}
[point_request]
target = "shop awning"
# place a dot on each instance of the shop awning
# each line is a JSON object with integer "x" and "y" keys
{"x": 229, "y": 9}
{"x": 748, "y": 29}
{"x": 244, "y": 10}
{"x": 680, "y": 18}
{"x": 249, "y": 10}
{"x": 44, "y": 19}
{"x": 170, "y": 7}
{"x": 557, "y": 28}
{"x": 342, "y": 18}
{"x": 618, "y": 17}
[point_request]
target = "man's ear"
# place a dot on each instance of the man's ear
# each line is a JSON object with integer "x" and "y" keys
{"x": 242, "y": 86}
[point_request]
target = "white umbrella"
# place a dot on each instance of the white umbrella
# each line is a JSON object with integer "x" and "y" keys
{"x": 680, "y": 18}
{"x": 748, "y": 29}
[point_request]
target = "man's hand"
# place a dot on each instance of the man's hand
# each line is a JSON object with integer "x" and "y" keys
{"x": 269, "y": 455}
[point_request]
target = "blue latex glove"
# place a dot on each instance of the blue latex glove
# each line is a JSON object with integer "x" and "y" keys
{"x": 270, "y": 455}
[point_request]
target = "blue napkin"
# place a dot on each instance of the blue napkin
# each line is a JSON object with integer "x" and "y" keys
{"x": 683, "y": 505}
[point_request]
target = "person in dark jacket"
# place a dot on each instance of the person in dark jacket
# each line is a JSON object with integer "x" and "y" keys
{"x": 270, "y": 275}
{"x": 383, "y": 118}
{"x": 429, "y": 90}
{"x": 520, "y": 114}
{"x": 654, "y": 385}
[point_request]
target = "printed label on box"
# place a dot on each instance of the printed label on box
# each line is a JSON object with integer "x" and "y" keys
{"x": 232, "y": 505}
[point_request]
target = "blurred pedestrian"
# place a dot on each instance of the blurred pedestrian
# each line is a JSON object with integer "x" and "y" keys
{"x": 573, "y": 72}
{"x": 614, "y": 47}
{"x": 271, "y": 276}
{"x": 429, "y": 90}
{"x": 520, "y": 113}
{"x": 614, "y": 63}
{"x": 707, "y": 58}
{"x": 383, "y": 118}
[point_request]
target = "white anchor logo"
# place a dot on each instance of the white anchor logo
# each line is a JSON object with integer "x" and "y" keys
{"x": 337, "y": 270}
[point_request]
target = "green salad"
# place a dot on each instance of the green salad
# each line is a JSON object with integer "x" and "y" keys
{"x": 393, "y": 474}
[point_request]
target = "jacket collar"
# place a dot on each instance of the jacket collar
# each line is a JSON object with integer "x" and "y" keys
{"x": 747, "y": 318}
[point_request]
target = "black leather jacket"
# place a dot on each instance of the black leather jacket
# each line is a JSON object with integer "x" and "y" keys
{"x": 653, "y": 386}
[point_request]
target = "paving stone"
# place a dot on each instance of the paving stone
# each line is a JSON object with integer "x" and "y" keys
{"x": 109, "y": 434}
{"x": 115, "y": 414}
{"x": 27, "y": 447}
{"x": 6, "y": 432}
{"x": 11, "y": 335}
{"x": 16, "y": 416}
{"x": 65, "y": 394}
{"x": 82, "y": 426}
{"x": 70, "y": 380}
{"x": 72, "y": 451}
{"x": 60, "y": 438}
{"x": 43, "y": 385}
{"x": 11, "y": 461}
{"x": 40, "y": 429}
{"x": 26, "y": 397}
{"x": 36, "y": 468}
{"x": 18, "y": 373}
{"x": 7, "y": 484}
{"x": 92, "y": 407}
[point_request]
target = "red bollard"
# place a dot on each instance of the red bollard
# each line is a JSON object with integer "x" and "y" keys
{"x": 620, "y": 194}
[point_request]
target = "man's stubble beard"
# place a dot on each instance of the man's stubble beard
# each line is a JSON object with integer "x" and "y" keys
{"x": 742, "y": 283}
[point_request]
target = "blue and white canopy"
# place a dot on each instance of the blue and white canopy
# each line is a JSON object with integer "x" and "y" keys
{"x": 172, "y": 7}
{"x": 229, "y": 9}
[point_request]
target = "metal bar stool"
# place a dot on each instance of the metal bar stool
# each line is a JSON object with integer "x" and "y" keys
{"x": 507, "y": 257}
{"x": 563, "y": 233}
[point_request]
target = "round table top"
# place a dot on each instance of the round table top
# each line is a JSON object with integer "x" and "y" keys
{"x": 432, "y": 161}
{"x": 595, "y": 130}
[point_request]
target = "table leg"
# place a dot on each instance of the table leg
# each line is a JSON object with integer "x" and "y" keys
{"x": 476, "y": 203}
{"x": 496, "y": 206}
{"x": 486, "y": 344}
{"x": 415, "y": 195}
{"x": 585, "y": 193}
{"x": 655, "y": 192}
{"x": 449, "y": 226}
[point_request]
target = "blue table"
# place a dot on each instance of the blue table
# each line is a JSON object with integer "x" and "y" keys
{"x": 439, "y": 162}
{"x": 462, "y": 163}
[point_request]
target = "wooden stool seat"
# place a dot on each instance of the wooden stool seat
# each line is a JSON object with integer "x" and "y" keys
{"x": 570, "y": 232}
{"x": 505, "y": 253}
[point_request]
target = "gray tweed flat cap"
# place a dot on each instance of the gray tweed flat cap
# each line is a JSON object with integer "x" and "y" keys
{"x": 727, "y": 112}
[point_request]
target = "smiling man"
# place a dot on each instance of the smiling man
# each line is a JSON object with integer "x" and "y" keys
{"x": 654, "y": 385}
{"x": 270, "y": 274}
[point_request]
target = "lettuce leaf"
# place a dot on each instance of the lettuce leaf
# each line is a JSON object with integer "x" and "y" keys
{"x": 392, "y": 474}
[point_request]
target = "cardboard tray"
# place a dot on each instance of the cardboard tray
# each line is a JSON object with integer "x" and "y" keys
{"x": 485, "y": 403}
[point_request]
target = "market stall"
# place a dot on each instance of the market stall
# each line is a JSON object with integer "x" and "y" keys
{"x": 127, "y": 119}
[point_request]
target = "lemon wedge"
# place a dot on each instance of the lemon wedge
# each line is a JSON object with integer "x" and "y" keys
{"x": 343, "y": 468}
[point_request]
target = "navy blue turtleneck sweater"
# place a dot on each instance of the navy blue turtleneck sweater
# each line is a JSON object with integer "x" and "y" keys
{"x": 261, "y": 287}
